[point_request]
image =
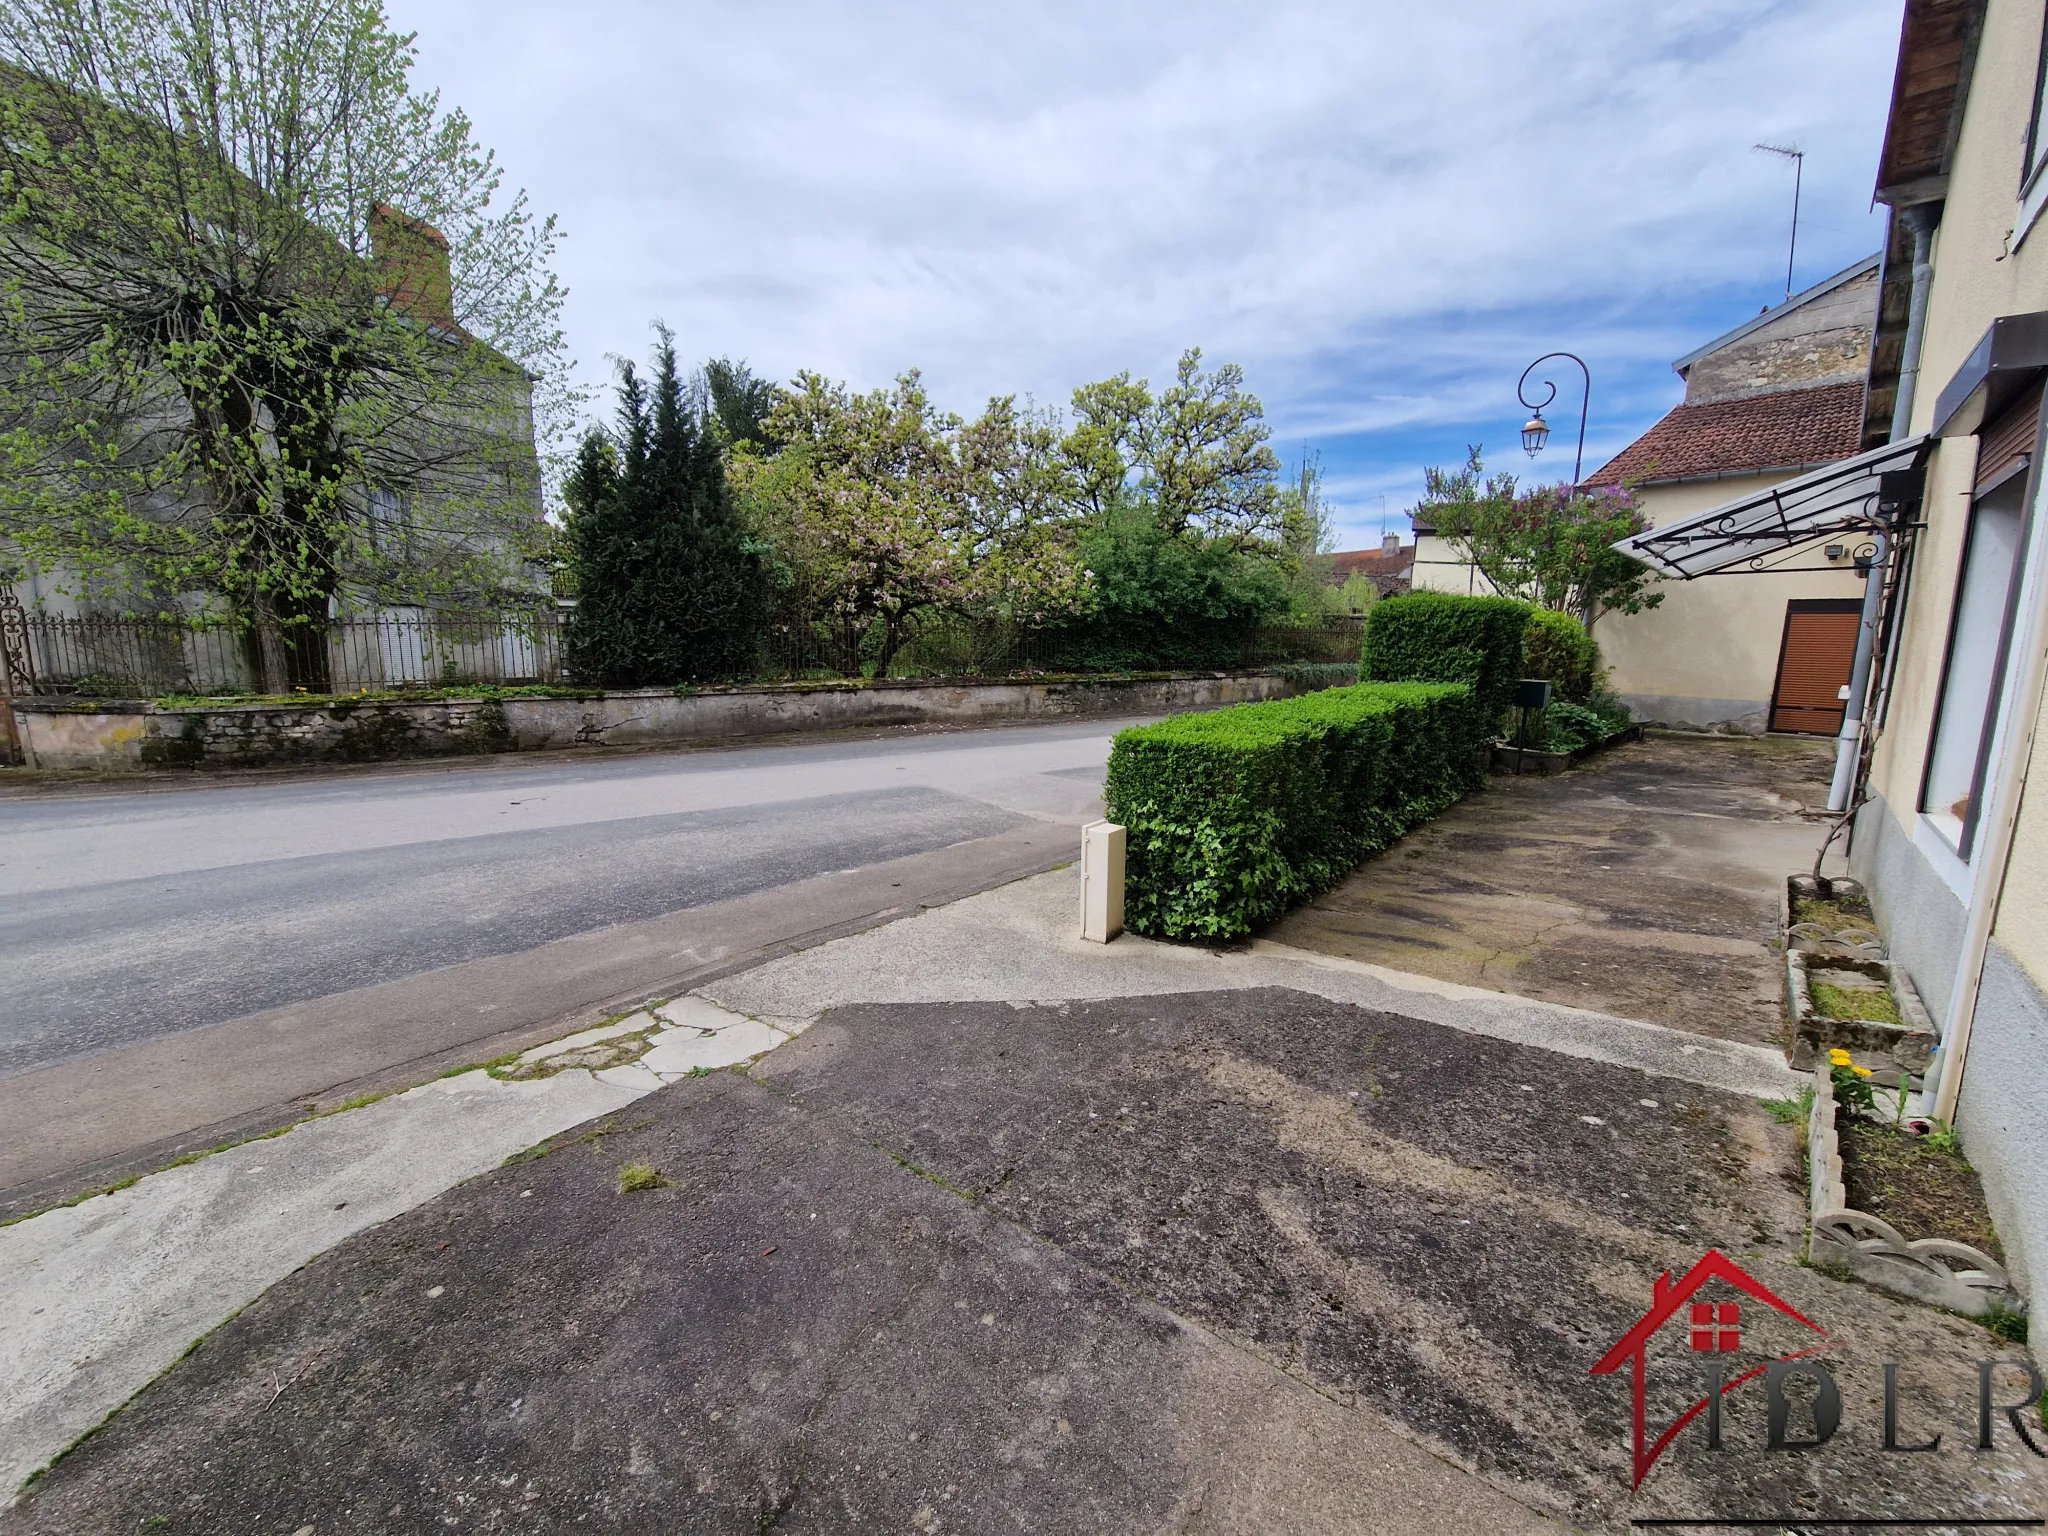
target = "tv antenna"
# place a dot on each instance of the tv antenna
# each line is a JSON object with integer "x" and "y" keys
{"x": 1798, "y": 158}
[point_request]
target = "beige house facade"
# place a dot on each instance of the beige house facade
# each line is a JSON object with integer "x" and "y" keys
{"x": 1953, "y": 837}
{"x": 1775, "y": 397}
{"x": 1938, "y": 768}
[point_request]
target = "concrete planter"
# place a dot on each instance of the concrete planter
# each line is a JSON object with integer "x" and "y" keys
{"x": 1889, "y": 1049}
{"x": 1930, "y": 1269}
{"x": 1509, "y": 758}
{"x": 1851, "y": 940}
{"x": 125, "y": 737}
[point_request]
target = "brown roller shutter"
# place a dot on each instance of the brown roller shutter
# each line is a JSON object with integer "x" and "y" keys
{"x": 2004, "y": 444}
{"x": 1813, "y": 665}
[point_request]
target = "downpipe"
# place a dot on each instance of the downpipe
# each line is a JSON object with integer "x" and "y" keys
{"x": 1849, "y": 744}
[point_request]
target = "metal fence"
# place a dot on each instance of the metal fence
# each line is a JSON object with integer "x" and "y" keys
{"x": 115, "y": 657}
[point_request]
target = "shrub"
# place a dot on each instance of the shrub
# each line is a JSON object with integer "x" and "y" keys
{"x": 1164, "y": 600}
{"x": 1557, "y": 647}
{"x": 1436, "y": 637}
{"x": 1569, "y": 726}
{"x": 1313, "y": 676}
{"x": 1235, "y": 815}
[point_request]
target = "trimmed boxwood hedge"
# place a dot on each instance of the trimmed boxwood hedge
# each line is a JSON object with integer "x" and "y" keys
{"x": 1443, "y": 638}
{"x": 1235, "y": 815}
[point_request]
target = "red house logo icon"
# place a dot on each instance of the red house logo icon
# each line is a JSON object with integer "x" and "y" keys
{"x": 1715, "y": 1328}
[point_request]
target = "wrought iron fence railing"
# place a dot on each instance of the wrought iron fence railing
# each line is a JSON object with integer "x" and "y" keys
{"x": 117, "y": 657}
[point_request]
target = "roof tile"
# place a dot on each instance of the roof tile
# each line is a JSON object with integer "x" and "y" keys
{"x": 1789, "y": 429}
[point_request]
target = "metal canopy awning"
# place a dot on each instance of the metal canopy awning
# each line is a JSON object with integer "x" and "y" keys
{"x": 1858, "y": 495}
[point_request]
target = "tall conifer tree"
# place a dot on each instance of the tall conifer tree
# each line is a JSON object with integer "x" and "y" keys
{"x": 668, "y": 588}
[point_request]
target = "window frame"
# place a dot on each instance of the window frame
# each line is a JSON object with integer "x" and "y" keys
{"x": 1994, "y": 700}
{"x": 2033, "y": 188}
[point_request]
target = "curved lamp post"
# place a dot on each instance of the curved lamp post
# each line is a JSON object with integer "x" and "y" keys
{"x": 1536, "y": 431}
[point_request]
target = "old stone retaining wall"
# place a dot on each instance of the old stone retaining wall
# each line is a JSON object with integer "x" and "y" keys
{"x": 109, "y": 736}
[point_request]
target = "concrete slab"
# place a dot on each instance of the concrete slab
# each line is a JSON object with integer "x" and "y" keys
{"x": 679, "y": 1052}
{"x": 97, "y": 1298}
{"x": 204, "y": 1239}
{"x": 1643, "y": 883}
{"x": 1022, "y": 941}
{"x": 793, "y": 1332}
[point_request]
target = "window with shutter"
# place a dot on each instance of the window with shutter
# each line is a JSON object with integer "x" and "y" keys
{"x": 1814, "y": 660}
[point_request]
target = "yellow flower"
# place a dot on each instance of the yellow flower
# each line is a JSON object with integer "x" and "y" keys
{"x": 1861, "y": 1071}
{"x": 1838, "y": 1057}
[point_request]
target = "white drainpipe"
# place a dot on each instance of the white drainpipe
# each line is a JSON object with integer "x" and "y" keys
{"x": 1920, "y": 219}
{"x": 1848, "y": 745}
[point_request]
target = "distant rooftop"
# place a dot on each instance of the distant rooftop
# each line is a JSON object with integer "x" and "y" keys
{"x": 1386, "y": 567}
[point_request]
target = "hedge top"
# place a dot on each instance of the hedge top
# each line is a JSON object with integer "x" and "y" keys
{"x": 1277, "y": 720}
{"x": 1441, "y": 637}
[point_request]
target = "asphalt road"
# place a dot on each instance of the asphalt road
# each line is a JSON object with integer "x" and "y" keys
{"x": 127, "y": 917}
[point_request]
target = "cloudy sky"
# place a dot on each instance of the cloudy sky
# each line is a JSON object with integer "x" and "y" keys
{"x": 1383, "y": 209}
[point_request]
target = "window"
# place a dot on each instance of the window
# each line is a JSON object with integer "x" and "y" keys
{"x": 387, "y": 520}
{"x": 1957, "y": 758}
{"x": 2037, "y": 131}
{"x": 2033, "y": 181}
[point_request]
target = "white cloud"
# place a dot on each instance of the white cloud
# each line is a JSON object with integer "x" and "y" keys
{"x": 1384, "y": 210}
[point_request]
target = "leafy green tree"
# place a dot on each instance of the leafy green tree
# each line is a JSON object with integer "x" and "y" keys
{"x": 1550, "y": 545}
{"x": 884, "y": 510}
{"x": 862, "y": 505}
{"x": 1359, "y": 593}
{"x": 232, "y": 315}
{"x": 1198, "y": 453}
{"x": 1160, "y": 600}
{"x": 740, "y": 404}
{"x": 668, "y": 586}
{"x": 1306, "y": 537}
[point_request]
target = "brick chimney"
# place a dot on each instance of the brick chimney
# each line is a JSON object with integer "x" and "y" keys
{"x": 411, "y": 259}
{"x": 1390, "y": 544}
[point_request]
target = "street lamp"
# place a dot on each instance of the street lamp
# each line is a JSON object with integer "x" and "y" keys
{"x": 1537, "y": 431}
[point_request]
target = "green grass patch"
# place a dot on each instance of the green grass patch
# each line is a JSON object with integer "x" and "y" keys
{"x": 634, "y": 1177}
{"x": 1796, "y": 1110}
{"x": 1871, "y": 1003}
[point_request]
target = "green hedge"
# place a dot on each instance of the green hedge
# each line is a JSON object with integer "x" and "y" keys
{"x": 1235, "y": 815}
{"x": 1437, "y": 637}
{"x": 1556, "y": 646}
{"x": 1313, "y": 676}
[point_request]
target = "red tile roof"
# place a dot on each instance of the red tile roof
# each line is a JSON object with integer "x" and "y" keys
{"x": 1789, "y": 429}
{"x": 1388, "y": 572}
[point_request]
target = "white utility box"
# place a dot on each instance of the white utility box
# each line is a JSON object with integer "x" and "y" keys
{"x": 1102, "y": 881}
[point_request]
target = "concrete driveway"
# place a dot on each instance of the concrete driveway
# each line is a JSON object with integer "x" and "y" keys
{"x": 1643, "y": 883}
{"x": 1146, "y": 1238}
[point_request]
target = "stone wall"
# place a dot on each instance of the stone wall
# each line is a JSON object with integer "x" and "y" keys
{"x": 127, "y": 737}
{"x": 1824, "y": 341}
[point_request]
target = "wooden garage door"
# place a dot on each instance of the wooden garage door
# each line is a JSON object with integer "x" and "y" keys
{"x": 1813, "y": 664}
